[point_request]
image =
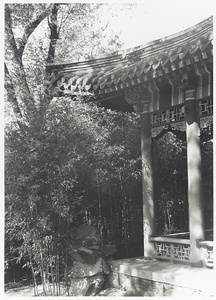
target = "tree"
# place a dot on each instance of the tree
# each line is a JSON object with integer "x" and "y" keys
{"x": 47, "y": 145}
{"x": 83, "y": 33}
{"x": 35, "y": 33}
{"x": 14, "y": 50}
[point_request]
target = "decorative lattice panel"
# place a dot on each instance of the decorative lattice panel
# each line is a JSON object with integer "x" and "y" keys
{"x": 177, "y": 114}
{"x": 181, "y": 252}
{"x": 163, "y": 250}
{"x": 166, "y": 116}
{"x": 172, "y": 252}
{"x": 205, "y": 107}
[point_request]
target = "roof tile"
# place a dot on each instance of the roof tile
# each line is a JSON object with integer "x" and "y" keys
{"x": 133, "y": 66}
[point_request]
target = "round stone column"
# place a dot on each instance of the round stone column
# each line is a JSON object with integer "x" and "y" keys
{"x": 195, "y": 189}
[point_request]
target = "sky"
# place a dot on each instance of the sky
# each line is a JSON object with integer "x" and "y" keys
{"x": 154, "y": 19}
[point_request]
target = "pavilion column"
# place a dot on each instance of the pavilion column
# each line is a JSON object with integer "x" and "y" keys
{"x": 147, "y": 183}
{"x": 195, "y": 192}
{"x": 141, "y": 102}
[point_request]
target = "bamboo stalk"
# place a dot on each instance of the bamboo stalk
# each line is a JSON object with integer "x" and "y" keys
{"x": 33, "y": 276}
{"x": 52, "y": 276}
{"x": 42, "y": 271}
{"x": 49, "y": 286}
{"x": 99, "y": 201}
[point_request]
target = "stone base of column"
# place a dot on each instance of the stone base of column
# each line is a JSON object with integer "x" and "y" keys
{"x": 149, "y": 251}
{"x": 197, "y": 264}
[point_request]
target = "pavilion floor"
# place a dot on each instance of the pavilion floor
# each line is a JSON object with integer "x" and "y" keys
{"x": 142, "y": 277}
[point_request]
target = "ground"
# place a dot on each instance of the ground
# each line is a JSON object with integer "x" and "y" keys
{"x": 28, "y": 291}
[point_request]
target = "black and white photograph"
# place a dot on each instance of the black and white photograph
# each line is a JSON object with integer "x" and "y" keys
{"x": 108, "y": 175}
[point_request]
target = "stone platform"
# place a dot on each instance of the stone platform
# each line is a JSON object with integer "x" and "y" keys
{"x": 140, "y": 277}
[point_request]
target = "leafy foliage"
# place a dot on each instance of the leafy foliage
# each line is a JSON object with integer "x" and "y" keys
{"x": 84, "y": 30}
{"x": 66, "y": 170}
{"x": 170, "y": 181}
{"x": 207, "y": 176}
{"x": 170, "y": 178}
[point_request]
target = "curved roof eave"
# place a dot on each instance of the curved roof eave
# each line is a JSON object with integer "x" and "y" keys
{"x": 109, "y": 73}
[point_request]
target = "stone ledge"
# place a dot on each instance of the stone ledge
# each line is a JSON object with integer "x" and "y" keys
{"x": 179, "y": 275}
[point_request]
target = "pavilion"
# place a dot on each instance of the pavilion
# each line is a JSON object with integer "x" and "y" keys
{"x": 169, "y": 82}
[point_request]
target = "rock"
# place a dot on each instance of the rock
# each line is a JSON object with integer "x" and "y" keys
{"x": 108, "y": 250}
{"x": 86, "y": 270}
{"x": 77, "y": 257}
{"x": 86, "y": 279}
{"x": 86, "y": 286}
{"x": 85, "y": 276}
{"x": 85, "y": 231}
{"x": 90, "y": 241}
{"x": 88, "y": 255}
{"x": 85, "y": 243}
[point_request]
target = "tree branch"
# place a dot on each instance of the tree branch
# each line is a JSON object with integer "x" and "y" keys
{"x": 63, "y": 20}
{"x": 32, "y": 26}
{"x": 8, "y": 29}
{"x": 11, "y": 95}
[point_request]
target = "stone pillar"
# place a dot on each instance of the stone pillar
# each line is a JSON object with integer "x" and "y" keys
{"x": 195, "y": 191}
{"x": 140, "y": 103}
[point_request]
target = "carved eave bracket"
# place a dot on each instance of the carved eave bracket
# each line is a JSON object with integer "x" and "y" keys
{"x": 139, "y": 100}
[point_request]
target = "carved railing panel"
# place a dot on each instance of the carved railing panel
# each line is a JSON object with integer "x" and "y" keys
{"x": 172, "y": 252}
{"x": 209, "y": 257}
{"x": 178, "y": 249}
{"x": 172, "y": 249}
{"x": 208, "y": 252}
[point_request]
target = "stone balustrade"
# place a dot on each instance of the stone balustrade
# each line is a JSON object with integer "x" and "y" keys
{"x": 176, "y": 249}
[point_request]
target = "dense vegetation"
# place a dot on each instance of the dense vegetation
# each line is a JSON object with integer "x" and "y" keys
{"x": 170, "y": 182}
{"x": 82, "y": 165}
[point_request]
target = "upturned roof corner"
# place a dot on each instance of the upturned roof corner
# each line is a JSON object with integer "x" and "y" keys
{"x": 113, "y": 73}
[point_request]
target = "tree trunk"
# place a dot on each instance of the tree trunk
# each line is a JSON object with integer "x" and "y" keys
{"x": 16, "y": 69}
{"x": 53, "y": 33}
